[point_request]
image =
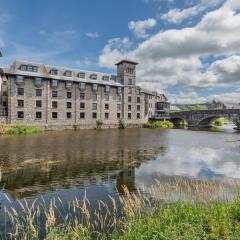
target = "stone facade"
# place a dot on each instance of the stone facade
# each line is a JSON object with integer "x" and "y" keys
{"x": 55, "y": 97}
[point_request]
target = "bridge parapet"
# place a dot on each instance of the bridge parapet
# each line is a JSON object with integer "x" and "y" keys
{"x": 205, "y": 118}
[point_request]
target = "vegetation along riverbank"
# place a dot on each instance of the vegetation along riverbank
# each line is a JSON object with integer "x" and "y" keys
{"x": 158, "y": 124}
{"x": 189, "y": 209}
{"x": 19, "y": 129}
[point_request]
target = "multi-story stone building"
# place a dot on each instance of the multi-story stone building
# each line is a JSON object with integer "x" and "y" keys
{"x": 43, "y": 95}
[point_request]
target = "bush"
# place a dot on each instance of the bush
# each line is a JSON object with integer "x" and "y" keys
{"x": 99, "y": 123}
{"x": 219, "y": 122}
{"x": 158, "y": 124}
{"x": 122, "y": 123}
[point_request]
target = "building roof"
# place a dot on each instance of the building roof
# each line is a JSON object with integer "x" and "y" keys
{"x": 127, "y": 61}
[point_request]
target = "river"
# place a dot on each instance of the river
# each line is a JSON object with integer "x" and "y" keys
{"x": 65, "y": 164}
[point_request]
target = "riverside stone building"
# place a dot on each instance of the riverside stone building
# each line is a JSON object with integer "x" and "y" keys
{"x": 43, "y": 95}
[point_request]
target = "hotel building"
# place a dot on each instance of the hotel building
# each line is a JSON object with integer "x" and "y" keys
{"x": 57, "y": 97}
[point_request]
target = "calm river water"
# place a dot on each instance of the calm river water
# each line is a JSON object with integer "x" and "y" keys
{"x": 64, "y": 164}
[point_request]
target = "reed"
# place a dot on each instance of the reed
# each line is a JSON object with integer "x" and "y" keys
{"x": 179, "y": 208}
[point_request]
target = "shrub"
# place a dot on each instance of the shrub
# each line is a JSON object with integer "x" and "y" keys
{"x": 158, "y": 124}
{"x": 99, "y": 123}
{"x": 122, "y": 123}
{"x": 219, "y": 122}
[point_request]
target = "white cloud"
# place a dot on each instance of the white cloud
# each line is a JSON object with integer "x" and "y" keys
{"x": 175, "y": 57}
{"x": 92, "y": 34}
{"x": 177, "y": 15}
{"x": 115, "y": 49}
{"x": 139, "y": 28}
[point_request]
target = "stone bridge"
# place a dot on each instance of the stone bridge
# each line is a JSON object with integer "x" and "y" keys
{"x": 205, "y": 118}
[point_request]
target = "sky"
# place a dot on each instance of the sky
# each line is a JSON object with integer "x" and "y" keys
{"x": 186, "y": 49}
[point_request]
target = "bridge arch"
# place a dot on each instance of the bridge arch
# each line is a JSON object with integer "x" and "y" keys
{"x": 207, "y": 121}
{"x": 178, "y": 121}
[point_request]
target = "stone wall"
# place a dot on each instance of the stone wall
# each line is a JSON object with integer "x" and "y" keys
{"x": 3, "y": 120}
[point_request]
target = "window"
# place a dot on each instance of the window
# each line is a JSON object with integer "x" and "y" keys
{"x": 19, "y": 79}
{"x": 119, "y": 98}
{"x": 54, "y": 94}
{"x": 113, "y": 77}
{"x": 107, "y": 88}
{"x": 129, "y": 99}
{"x": 4, "y": 104}
{"x": 130, "y": 81}
{"x": 95, "y": 87}
{"x": 68, "y": 74}
{"x": 119, "y": 79}
{"x": 82, "y": 96}
{"x": 130, "y": 70}
{"x": 94, "y": 97}
{"x": 82, "y": 105}
{"x": 54, "y": 104}
{"x": 118, "y": 115}
{"x": 54, "y": 71}
{"x": 106, "y": 97}
{"x": 119, "y": 107}
{"x": 81, "y": 75}
{"x": 69, "y": 115}
{"x": 94, "y": 106}
{"x": 138, "y": 115}
{"x": 129, "y": 107}
{"x": 23, "y": 67}
{"x": 4, "y": 82}
{"x": 93, "y": 76}
{"x": 20, "y": 103}
{"x": 129, "y": 90}
{"x": 69, "y": 105}
{"x": 38, "y": 92}
{"x": 106, "y": 106}
{"x": 82, "y": 115}
{"x": 138, "y": 91}
{"x": 138, "y": 99}
{"x": 106, "y": 115}
{"x": 38, "y": 115}
{"x": 138, "y": 108}
{"x": 29, "y": 68}
{"x": 106, "y": 78}
{"x": 20, "y": 115}
{"x": 94, "y": 115}
{"x": 82, "y": 86}
{"x": 54, "y": 115}
{"x": 119, "y": 90}
{"x": 69, "y": 94}
{"x": 20, "y": 91}
{"x": 54, "y": 83}
{"x": 68, "y": 84}
{"x": 38, "y": 81}
{"x": 4, "y": 93}
{"x": 129, "y": 115}
{"x": 38, "y": 103}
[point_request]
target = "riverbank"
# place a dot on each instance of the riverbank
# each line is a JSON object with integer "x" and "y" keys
{"x": 202, "y": 210}
{"x": 18, "y": 129}
{"x": 172, "y": 222}
{"x": 158, "y": 124}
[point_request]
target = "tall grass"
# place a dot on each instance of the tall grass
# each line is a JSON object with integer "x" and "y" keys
{"x": 19, "y": 129}
{"x": 179, "y": 208}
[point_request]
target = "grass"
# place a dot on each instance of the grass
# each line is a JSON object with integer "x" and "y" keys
{"x": 158, "y": 124}
{"x": 19, "y": 129}
{"x": 179, "y": 208}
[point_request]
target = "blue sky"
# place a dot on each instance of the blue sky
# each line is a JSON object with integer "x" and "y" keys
{"x": 187, "y": 49}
